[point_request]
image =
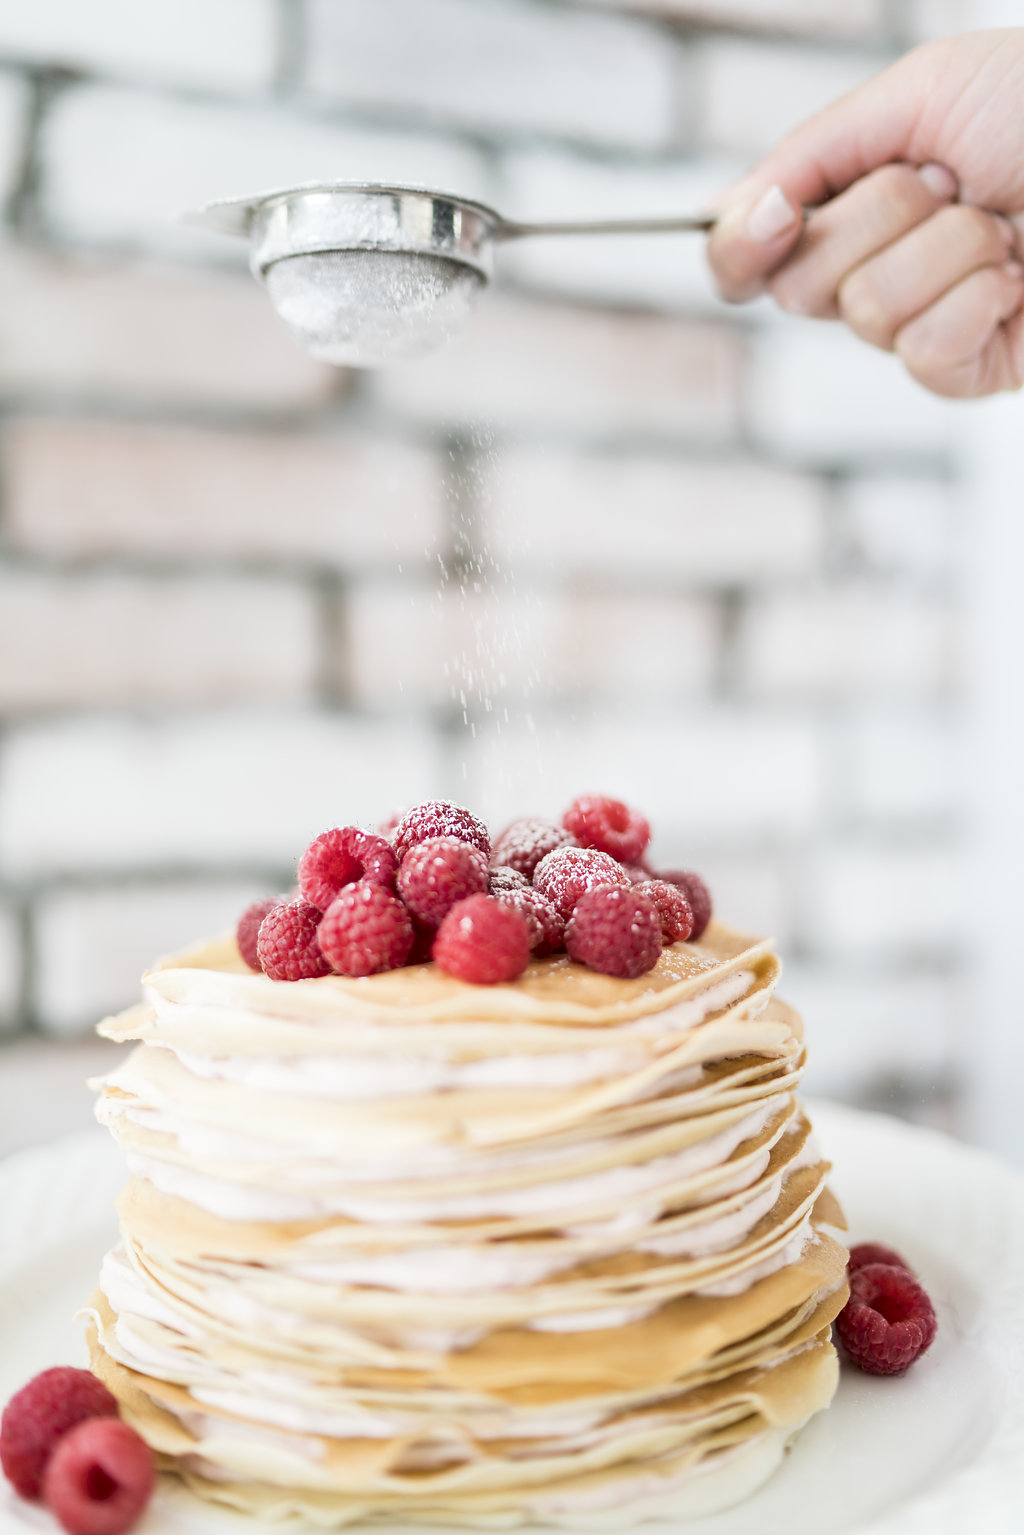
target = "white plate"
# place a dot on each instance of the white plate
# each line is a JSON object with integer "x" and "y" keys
{"x": 937, "y": 1452}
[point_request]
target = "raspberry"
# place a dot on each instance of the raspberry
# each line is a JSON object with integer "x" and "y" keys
{"x": 525, "y": 842}
{"x": 696, "y": 892}
{"x": 638, "y": 873}
{"x": 339, "y": 857}
{"x": 888, "y": 1320}
{"x": 40, "y": 1414}
{"x": 562, "y": 876}
{"x": 609, "y": 825}
{"x": 100, "y": 1478}
{"x": 674, "y": 910}
{"x": 504, "y": 877}
{"x": 547, "y": 927}
{"x": 615, "y": 930}
{"x": 874, "y": 1252}
{"x": 249, "y": 928}
{"x": 287, "y": 946}
{"x": 434, "y": 875}
{"x": 366, "y": 930}
{"x": 482, "y": 940}
{"x": 439, "y": 818}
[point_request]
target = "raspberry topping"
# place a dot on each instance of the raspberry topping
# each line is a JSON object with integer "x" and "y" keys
{"x": 287, "y": 946}
{"x": 504, "y": 877}
{"x": 40, "y": 1414}
{"x": 525, "y": 842}
{"x": 547, "y": 927}
{"x": 339, "y": 857}
{"x": 674, "y": 910}
{"x": 609, "y": 825}
{"x": 435, "y": 874}
{"x": 888, "y": 1320}
{"x": 100, "y": 1478}
{"x": 483, "y": 940}
{"x": 874, "y": 1252}
{"x": 563, "y": 876}
{"x": 696, "y": 892}
{"x": 439, "y": 818}
{"x": 365, "y": 930}
{"x": 615, "y": 930}
{"x": 249, "y": 928}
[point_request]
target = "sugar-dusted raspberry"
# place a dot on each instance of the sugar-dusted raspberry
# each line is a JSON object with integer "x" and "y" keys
{"x": 439, "y": 818}
{"x": 287, "y": 947}
{"x": 340, "y": 856}
{"x": 595, "y": 820}
{"x": 483, "y": 940}
{"x": 638, "y": 873}
{"x": 100, "y": 1478}
{"x": 888, "y": 1320}
{"x": 696, "y": 892}
{"x": 365, "y": 930}
{"x": 40, "y": 1414}
{"x": 504, "y": 877}
{"x": 547, "y": 927}
{"x": 873, "y": 1252}
{"x": 249, "y": 928}
{"x": 562, "y": 876}
{"x": 674, "y": 910}
{"x": 615, "y": 930}
{"x": 525, "y": 842}
{"x": 434, "y": 875}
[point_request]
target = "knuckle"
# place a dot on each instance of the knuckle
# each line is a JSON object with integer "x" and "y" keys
{"x": 903, "y": 191}
{"x": 861, "y": 308}
{"x": 974, "y": 231}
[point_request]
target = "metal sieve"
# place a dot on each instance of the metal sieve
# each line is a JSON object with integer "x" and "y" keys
{"x": 364, "y": 273}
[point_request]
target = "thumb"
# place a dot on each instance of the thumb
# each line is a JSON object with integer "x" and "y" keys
{"x": 761, "y": 216}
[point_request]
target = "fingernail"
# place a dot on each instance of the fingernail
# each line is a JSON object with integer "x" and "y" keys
{"x": 938, "y": 179}
{"x": 771, "y": 217}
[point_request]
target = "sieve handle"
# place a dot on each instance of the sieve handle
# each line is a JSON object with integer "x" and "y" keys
{"x": 510, "y": 229}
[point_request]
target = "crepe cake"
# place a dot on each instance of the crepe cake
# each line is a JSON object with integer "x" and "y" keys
{"x": 400, "y": 1247}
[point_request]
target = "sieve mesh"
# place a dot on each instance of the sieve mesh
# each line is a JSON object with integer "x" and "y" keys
{"x": 361, "y": 308}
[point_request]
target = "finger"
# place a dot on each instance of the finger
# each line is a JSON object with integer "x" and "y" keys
{"x": 960, "y": 346}
{"x": 852, "y": 227}
{"x": 750, "y": 240}
{"x": 878, "y": 297}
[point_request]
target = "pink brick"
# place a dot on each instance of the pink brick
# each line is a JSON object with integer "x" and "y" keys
{"x": 409, "y": 644}
{"x": 94, "y": 639}
{"x": 94, "y": 487}
{"x": 851, "y": 638}
{"x": 703, "y": 776}
{"x": 243, "y": 788}
{"x": 752, "y": 93}
{"x": 194, "y": 42}
{"x": 146, "y": 333}
{"x": 852, "y": 18}
{"x": 543, "y": 366}
{"x": 93, "y": 944}
{"x": 524, "y": 66}
{"x": 686, "y": 520}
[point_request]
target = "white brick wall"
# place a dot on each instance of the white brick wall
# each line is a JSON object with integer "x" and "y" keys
{"x": 238, "y": 788}
{"x": 900, "y": 526}
{"x": 846, "y": 639}
{"x": 123, "y": 165}
{"x": 405, "y": 644}
{"x": 90, "y": 487}
{"x": 10, "y": 968}
{"x": 684, "y": 520}
{"x": 851, "y": 18}
{"x": 542, "y": 366}
{"x": 497, "y": 64}
{"x": 902, "y": 765}
{"x": 72, "y": 326}
{"x": 192, "y": 42}
{"x": 752, "y": 93}
{"x": 881, "y": 900}
{"x": 80, "y": 639}
{"x": 14, "y": 105}
{"x": 98, "y": 941}
{"x": 705, "y": 778}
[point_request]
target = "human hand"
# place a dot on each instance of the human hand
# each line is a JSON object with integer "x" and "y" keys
{"x": 919, "y": 237}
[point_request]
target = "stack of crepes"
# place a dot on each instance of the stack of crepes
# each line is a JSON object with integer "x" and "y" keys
{"x": 406, "y": 1248}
